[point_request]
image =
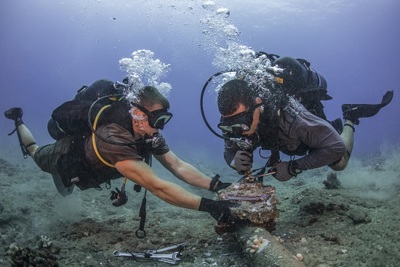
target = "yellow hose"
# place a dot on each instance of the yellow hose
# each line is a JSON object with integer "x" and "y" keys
{"x": 95, "y": 145}
{"x": 94, "y": 137}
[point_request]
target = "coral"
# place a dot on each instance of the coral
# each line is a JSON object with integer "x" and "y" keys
{"x": 256, "y": 244}
{"x": 32, "y": 257}
{"x": 43, "y": 242}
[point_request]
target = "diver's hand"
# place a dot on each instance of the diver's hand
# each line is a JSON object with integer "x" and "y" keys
{"x": 216, "y": 184}
{"x": 281, "y": 170}
{"x": 219, "y": 210}
{"x": 285, "y": 170}
{"x": 157, "y": 140}
{"x": 243, "y": 161}
{"x": 221, "y": 185}
{"x": 120, "y": 196}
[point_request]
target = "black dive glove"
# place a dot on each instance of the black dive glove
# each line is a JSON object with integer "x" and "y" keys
{"x": 157, "y": 140}
{"x": 243, "y": 161}
{"x": 219, "y": 210}
{"x": 216, "y": 184}
{"x": 285, "y": 170}
{"x": 120, "y": 197}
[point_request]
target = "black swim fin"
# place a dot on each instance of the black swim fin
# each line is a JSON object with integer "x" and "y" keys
{"x": 353, "y": 112}
{"x": 14, "y": 114}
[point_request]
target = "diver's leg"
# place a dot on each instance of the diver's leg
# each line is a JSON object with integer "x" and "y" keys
{"x": 45, "y": 157}
{"x": 27, "y": 141}
{"x": 352, "y": 113}
{"x": 348, "y": 138}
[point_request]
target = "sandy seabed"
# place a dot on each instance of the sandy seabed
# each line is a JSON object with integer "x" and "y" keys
{"x": 354, "y": 225}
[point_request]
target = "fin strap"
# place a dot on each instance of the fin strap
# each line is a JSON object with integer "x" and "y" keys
{"x": 29, "y": 145}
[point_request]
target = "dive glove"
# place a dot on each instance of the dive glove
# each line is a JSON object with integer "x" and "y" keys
{"x": 243, "y": 161}
{"x": 219, "y": 210}
{"x": 216, "y": 184}
{"x": 285, "y": 170}
{"x": 120, "y": 197}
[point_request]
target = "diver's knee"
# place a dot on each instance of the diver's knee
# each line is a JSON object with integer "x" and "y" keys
{"x": 340, "y": 165}
{"x": 32, "y": 149}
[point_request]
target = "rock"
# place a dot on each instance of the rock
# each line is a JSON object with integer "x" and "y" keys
{"x": 332, "y": 181}
{"x": 358, "y": 216}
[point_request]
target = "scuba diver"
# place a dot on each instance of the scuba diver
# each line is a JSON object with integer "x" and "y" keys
{"x": 287, "y": 118}
{"x": 119, "y": 142}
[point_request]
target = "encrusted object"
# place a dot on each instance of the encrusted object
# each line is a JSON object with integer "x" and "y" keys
{"x": 257, "y": 203}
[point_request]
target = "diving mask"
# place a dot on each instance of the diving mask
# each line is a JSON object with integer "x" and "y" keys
{"x": 157, "y": 118}
{"x": 239, "y": 123}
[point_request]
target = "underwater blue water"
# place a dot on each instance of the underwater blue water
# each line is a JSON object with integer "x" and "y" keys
{"x": 50, "y": 48}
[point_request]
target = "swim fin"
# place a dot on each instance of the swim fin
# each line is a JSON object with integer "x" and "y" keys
{"x": 14, "y": 114}
{"x": 353, "y": 112}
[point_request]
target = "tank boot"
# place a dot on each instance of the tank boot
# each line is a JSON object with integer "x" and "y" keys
{"x": 353, "y": 112}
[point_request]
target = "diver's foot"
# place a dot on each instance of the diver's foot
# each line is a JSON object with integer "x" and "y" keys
{"x": 14, "y": 114}
{"x": 353, "y": 112}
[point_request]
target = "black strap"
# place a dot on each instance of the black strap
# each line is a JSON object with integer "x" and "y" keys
{"x": 23, "y": 148}
{"x": 24, "y": 151}
{"x": 273, "y": 129}
{"x": 141, "y": 233}
{"x": 271, "y": 57}
{"x": 351, "y": 126}
{"x": 274, "y": 158}
{"x": 214, "y": 182}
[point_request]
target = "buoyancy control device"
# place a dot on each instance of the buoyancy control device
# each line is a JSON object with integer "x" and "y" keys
{"x": 296, "y": 78}
{"x": 71, "y": 117}
{"x": 73, "y": 120}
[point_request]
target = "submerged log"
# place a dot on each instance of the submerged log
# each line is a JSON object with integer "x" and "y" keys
{"x": 256, "y": 214}
{"x": 263, "y": 249}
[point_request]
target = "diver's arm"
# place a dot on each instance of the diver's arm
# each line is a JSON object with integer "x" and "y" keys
{"x": 183, "y": 170}
{"x": 230, "y": 150}
{"x": 141, "y": 174}
{"x": 326, "y": 145}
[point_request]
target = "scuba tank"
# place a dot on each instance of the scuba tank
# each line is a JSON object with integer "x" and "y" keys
{"x": 71, "y": 117}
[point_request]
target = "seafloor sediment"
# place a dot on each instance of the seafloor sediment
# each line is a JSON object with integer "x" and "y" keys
{"x": 353, "y": 225}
